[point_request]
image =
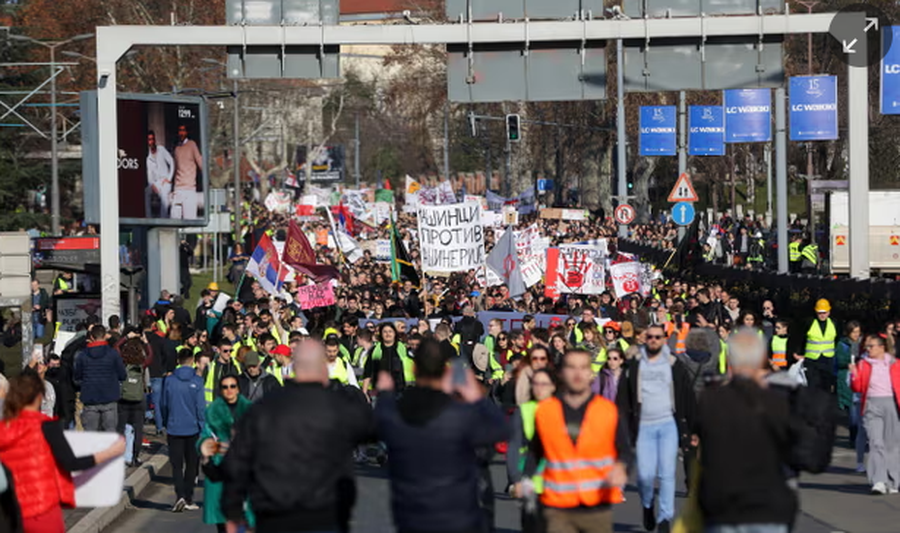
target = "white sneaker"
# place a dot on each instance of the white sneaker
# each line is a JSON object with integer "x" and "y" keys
{"x": 879, "y": 488}
{"x": 191, "y": 506}
{"x": 860, "y": 468}
{"x": 892, "y": 490}
{"x": 179, "y": 505}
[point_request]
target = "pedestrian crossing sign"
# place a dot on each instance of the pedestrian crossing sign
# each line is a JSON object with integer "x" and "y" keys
{"x": 683, "y": 191}
{"x": 840, "y": 240}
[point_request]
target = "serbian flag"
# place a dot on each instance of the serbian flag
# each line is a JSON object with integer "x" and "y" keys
{"x": 265, "y": 266}
{"x": 344, "y": 217}
{"x": 299, "y": 254}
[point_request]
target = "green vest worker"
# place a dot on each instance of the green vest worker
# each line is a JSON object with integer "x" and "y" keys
{"x": 222, "y": 365}
{"x": 819, "y": 351}
{"x": 389, "y": 356}
{"x": 523, "y": 431}
{"x": 810, "y": 256}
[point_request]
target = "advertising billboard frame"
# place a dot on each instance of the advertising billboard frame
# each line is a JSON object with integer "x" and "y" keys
{"x": 91, "y": 158}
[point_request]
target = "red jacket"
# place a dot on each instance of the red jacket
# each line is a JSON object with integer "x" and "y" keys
{"x": 859, "y": 381}
{"x": 40, "y": 483}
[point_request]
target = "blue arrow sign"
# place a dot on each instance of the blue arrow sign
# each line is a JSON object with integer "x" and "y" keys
{"x": 748, "y": 115}
{"x": 890, "y": 71}
{"x": 706, "y": 133}
{"x": 814, "y": 108}
{"x": 683, "y": 213}
{"x": 658, "y": 130}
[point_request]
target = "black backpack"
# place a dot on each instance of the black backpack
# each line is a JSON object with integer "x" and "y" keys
{"x": 813, "y": 427}
{"x": 133, "y": 387}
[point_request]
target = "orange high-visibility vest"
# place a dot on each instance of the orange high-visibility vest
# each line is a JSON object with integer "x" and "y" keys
{"x": 576, "y": 474}
{"x": 779, "y": 351}
{"x": 681, "y": 338}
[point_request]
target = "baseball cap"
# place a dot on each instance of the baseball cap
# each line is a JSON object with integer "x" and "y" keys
{"x": 251, "y": 359}
{"x": 281, "y": 349}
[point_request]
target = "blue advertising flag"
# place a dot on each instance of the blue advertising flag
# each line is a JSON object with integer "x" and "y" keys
{"x": 814, "y": 108}
{"x": 748, "y": 115}
{"x": 890, "y": 71}
{"x": 658, "y": 130}
{"x": 706, "y": 132}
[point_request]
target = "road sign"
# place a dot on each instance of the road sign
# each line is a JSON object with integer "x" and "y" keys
{"x": 683, "y": 191}
{"x": 624, "y": 214}
{"x": 840, "y": 240}
{"x": 895, "y": 240}
{"x": 683, "y": 213}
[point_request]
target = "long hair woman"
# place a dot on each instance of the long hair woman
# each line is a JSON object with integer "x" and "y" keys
{"x": 33, "y": 447}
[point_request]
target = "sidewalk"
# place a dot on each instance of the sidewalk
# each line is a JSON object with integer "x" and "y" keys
{"x": 840, "y": 497}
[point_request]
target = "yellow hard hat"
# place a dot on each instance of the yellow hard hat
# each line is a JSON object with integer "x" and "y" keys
{"x": 213, "y": 286}
{"x": 822, "y": 305}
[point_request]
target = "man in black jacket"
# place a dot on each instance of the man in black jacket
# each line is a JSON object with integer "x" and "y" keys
{"x": 287, "y": 460}
{"x": 656, "y": 398}
{"x": 745, "y": 433}
{"x": 436, "y": 490}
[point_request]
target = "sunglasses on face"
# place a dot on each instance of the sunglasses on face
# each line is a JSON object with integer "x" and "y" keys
{"x": 226, "y": 387}
{"x": 655, "y": 337}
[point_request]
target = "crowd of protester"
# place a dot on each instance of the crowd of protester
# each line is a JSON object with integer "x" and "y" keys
{"x": 400, "y": 366}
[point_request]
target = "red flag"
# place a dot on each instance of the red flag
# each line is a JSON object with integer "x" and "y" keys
{"x": 387, "y": 184}
{"x": 299, "y": 254}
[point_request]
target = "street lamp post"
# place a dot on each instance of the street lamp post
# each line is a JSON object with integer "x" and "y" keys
{"x": 54, "y": 155}
{"x": 236, "y": 158}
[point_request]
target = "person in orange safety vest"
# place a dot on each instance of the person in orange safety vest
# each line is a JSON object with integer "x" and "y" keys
{"x": 582, "y": 444}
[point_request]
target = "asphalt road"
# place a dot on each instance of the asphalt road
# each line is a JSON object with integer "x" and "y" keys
{"x": 837, "y": 501}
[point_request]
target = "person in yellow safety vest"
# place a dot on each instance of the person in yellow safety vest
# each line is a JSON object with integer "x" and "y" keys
{"x": 222, "y": 365}
{"x": 390, "y": 356}
{"x": 333, "y": 332}
{"x": 63, "y": 284}
{"x": 278, "y": 363}
{"x": 593, "y": 344}
{"x": 165, "y": 322}
{"x": 338, "y": 369}
{"x": 364, "y": 345}
{"x": 724, "y": 331}
{"x": 818, "y": 356}
{"x": 495, "y": 369}
{"x": 611, "y": 332}
{"x": 521, "y": 435}
{"x": 794, "y": 254}
{"x": 810, "y": 258}
{"x": 587, "y": 319}
{"x": 778, "y": 347}
{"x": 267, "y": 325}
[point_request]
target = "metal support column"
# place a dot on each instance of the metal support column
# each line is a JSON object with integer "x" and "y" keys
{"x": 107, "y": 117}
{"x": 620, "y": 130}
{"x": 781, "y": 178}
{"x": 54, "y": 150}
{"x": 858, "y": 122}
{"x": 236, "y": 158}
{"x": 356, "y": 149}
{"x": 682, "y": 145}
{"x": 767, "y": 155}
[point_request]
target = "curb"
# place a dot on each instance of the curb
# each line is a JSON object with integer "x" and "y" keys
{"x": 98, "y": 519}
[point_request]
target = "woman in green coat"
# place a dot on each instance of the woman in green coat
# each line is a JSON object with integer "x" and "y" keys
{"x": 845, "y": 352}
{"x": 221, "y": 417}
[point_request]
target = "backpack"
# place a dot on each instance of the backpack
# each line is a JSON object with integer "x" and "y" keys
{"x": 133, "y": 386}
{"x": 813, "y": 427}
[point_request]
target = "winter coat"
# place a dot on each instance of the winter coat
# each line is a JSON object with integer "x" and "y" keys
{"x": 844, "y": 353}
{"x": 100, "y": 370}
{"x": 220, "y": 422}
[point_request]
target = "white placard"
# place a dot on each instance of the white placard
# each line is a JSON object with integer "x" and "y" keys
{"x": 451, "y": 237}
{"x": 100, "y": 486}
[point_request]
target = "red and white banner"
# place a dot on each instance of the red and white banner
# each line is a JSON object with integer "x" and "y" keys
{"x": 627, "y": 278}
{"x": 575, "y": 269}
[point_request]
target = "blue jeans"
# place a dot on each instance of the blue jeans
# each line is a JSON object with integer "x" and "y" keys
{"x": 156, "y": 385}
{"x": 748, "y": 528}
{"x": 657, "y": 455}
{"x": 38, "y": 329}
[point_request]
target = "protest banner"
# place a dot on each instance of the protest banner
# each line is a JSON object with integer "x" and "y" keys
{"x": 278, "y": 202}
{"x": 510, "y": 321}
{"x": 626, "y": 278}
{"x": 319, "y": 295}
{"x": 451, "y": 237}
{"x": 70, "y": 312}
{"x": 579, "y": 269}
{"x": 101, "y": 485}
{"x": 572, "y": 215}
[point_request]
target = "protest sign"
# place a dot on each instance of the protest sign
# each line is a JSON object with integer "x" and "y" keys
{"x": 574, "y": 215}
{"x": 278, "y": 202}
{"x": 451, "y": 237}
{"x": 71, "y": 312}
{"x": 579, "y": 269}
{"x": 100, "y": 485}
{"x": 510, "y": 321}
{"x": 626, "y": 278}
{"x": 319, "y": 295}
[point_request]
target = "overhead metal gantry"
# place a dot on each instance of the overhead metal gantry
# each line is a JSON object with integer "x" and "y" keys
{"x": 113, "y": 42}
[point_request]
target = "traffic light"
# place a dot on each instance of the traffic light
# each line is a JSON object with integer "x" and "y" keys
{"x": 513, "y": 132}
